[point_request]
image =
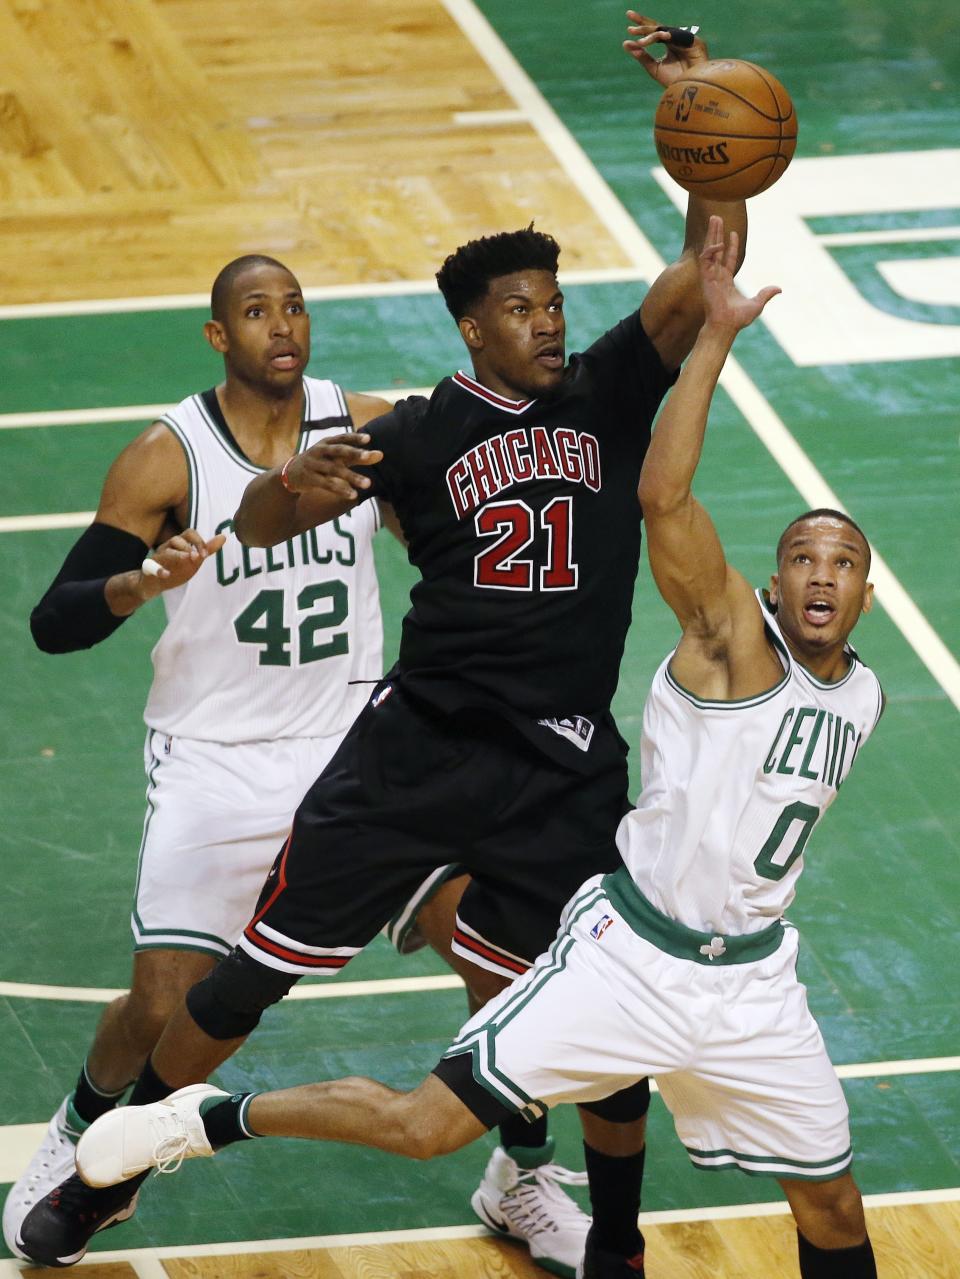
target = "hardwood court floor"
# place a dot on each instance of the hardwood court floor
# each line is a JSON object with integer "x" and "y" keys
{"x": 147, "y": 142}
{"x": 909, "y": 1243}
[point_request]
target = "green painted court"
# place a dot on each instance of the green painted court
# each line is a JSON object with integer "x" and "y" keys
{"x": 874, "y": 413}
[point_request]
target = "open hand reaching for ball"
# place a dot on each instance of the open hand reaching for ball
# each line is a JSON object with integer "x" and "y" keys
{"x": 725, "y": 307}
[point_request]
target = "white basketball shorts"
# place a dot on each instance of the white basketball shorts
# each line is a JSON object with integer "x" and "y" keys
{"x": 217, "y": 816}
{"x": 735, "y": 1051}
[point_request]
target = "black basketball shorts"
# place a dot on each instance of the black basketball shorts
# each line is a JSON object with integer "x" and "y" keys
{"x": 410, "y": 790}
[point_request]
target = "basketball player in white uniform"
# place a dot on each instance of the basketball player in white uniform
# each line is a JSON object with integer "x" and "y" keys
{"x": 264, "y": 663}
{"x": 679, "y": 964}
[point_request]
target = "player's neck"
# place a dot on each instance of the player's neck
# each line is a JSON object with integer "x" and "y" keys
{"x": 265, "y": 426}
{"x": 828, "y": 665}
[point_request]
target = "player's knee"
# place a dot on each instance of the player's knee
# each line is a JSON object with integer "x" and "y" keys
{"x": 229, "y": 1002}
{"x": 843, "y": 1210}
{"x": 146, "y": 1012}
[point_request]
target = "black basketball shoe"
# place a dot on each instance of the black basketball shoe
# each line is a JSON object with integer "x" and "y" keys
{"x": 57, "y": 1229}
{"x": 599, "y": 1264}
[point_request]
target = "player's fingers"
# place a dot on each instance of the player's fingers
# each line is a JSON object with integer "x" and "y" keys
{"x": 640, "y": 55}
{"x": 764, "y": 296}
{"x": 215, "y": 543}
{"x": 355, "y": 439}
{"x": 733, "y": 247}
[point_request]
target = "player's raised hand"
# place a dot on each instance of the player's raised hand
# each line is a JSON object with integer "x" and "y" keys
{"x": 723, "y": 303}
{"x": 676, "y": 62}
{"x": 325, "y": 468}
{"x": 175, "y": 561}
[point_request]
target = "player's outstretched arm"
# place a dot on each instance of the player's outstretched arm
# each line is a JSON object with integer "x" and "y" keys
{"x": 311, "y": 488}
{"x": 686, "y": 556}
{"x": 672, "y": 311}
{"x": 102, "y": 580}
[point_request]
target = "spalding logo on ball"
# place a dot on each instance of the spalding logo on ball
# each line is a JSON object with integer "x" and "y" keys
{"x": 726, "y": 131}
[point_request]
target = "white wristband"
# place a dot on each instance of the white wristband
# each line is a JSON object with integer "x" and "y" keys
{"x": 150, "y": 568}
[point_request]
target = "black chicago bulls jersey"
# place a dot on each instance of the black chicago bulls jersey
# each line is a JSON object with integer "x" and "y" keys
{"x": 523, "y": 520}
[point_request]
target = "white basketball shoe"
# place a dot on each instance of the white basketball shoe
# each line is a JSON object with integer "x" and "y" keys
{"x": 521, "y": 1196}
{"x": 131, "y": 1139}
{"x": 53, "y": 1162}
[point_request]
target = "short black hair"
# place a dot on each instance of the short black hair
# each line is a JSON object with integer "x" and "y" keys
{"x": 825, "y": 512}
{"x": 465, "y": 276}
{"x": 223, "y": 284}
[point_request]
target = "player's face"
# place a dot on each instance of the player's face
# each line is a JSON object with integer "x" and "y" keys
{"x": 517, "y": 335}
{"x": 266, "y": 334}
{"x": 821, "y": 587}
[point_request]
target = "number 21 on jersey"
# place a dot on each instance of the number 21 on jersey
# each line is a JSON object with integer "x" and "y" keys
{"x": 502, "y": 565}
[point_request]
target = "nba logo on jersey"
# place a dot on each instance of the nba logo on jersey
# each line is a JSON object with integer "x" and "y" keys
{"x": 600, "y": 927}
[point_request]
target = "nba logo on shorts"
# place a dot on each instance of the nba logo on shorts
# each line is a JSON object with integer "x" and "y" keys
{"x": 600, "y": 927}
{"x": 382, "y": 696}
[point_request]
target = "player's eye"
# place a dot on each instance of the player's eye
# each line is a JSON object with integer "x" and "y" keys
{"x": 254, "y": 312}
{"x": 295, "y": 308}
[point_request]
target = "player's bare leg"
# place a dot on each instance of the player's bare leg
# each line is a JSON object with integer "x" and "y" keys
{"x": 431, "y": 1120}
{"x": 132, "y": 1024}
{"x": 831, "y": 1227}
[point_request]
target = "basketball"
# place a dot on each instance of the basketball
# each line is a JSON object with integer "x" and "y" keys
{"x": 726, "y": 131}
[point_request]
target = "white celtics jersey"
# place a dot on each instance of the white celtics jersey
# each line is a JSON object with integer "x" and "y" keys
{"x": 732, "y": 790}
{"x": 263, "y": 643}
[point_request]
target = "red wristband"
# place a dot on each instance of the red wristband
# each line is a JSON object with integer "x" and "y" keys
{"x": 283, "y": 475}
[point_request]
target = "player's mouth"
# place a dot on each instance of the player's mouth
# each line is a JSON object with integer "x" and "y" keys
{"x": 285, "y": 358}
{"x": 550, "y": 356}
{"x": 819, "y": 611}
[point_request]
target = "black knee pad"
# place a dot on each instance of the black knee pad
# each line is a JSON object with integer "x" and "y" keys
{"x": 230, "y": 1000}
{"x": 624, "y": 1106}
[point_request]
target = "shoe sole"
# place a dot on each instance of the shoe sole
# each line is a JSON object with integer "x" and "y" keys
{"x": 479, "y": 1206}
{"x": 61, "y": 1263}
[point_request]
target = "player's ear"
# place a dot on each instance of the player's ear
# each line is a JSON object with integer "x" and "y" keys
{"x": 867, "y": 598}
{"x": 774, "y": 584}
{"x": 216, "y": 335}
{"x": 470, "y": 332}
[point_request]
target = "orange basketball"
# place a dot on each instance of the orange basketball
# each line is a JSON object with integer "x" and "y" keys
{"x": 726, "y": 131}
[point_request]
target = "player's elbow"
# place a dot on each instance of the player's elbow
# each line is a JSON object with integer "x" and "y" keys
{"x": 659, "y": 500}
{"x": 48, "y": 636}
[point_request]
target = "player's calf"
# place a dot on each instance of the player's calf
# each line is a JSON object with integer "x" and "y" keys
{"x": 831, "y": 1229}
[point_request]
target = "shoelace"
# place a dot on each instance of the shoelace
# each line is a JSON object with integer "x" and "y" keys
{"x": 170, "y": 1151}
{"x": 538, "y": 1201}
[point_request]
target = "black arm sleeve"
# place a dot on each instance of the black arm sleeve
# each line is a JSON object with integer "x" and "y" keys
{"x": 74, "y": 613}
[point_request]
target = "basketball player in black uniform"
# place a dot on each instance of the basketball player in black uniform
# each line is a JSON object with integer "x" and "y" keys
{"x": 491, "y": 743}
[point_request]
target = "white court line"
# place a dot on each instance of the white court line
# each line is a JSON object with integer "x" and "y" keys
{"x": 484, "y": 119}
{"x": 36, "y": 523}
{"x": 144, "y": 412}
{"x": 761, "y": 417}
{"x": 843, "y": 239}
{"x": 317, "y": 990}
{"x": 316, "y": 293}
{"x": 137, "y": 1256}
